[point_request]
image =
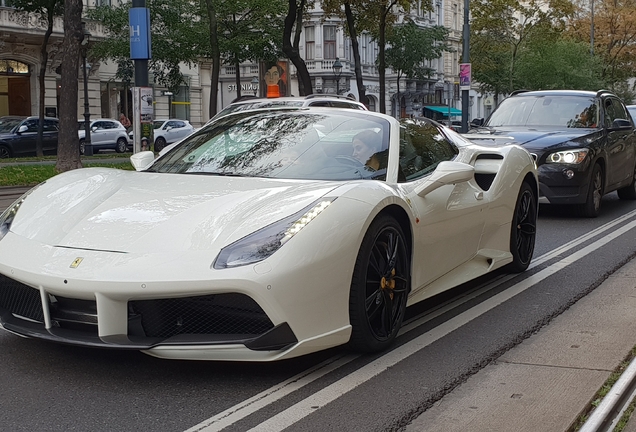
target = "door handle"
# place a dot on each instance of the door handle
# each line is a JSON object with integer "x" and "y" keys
{"x": 479, "y": 195}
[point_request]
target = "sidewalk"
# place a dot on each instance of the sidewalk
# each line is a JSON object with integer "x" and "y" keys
{"x": 546, "y": 382}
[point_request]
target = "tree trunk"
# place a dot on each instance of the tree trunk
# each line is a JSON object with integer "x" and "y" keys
{"x": 355, "y": 46}
{"x": 216, "y": 56}
{"x": 291, "y": 50}
{"x": 237, "y": 76}
{"x": 44, "y": 59}
{"x": 68, "y": 156}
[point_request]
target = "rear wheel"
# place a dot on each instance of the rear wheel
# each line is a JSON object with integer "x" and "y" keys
{"x": 379, "y": 288}
{"x": 121, "y": 145}
{"x": 592, "y": 206}
{"x": 81, "y": 147}
{"x": 160, "y": 143}
{"x": 524, "y": 229}
{"x": 628, "y": 192}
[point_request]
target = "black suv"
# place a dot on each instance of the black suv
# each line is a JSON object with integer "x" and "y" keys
{"x": 18, "y": 135}
{"x": 584, "y": 143}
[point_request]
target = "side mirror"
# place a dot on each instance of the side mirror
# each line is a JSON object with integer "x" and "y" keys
{"x": 23, "y": 129}
{"x": 142, "y": 160}
{"x": 447, "y": 172}
{"x": 94, "y": 128}
{"x": 477, "y": 122}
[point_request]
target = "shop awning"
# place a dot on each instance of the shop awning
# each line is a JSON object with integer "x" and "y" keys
{"x": 443, "y": 109}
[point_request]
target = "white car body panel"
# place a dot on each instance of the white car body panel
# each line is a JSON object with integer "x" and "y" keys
{"x": 113, "y": 236}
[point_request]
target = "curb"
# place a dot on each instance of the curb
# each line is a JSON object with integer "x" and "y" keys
{"x": 602, "y": 417}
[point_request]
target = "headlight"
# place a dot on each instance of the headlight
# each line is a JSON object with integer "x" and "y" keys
{"x": 575, "y": 156}
{"x": 7, "y": 216}
{"x": 264, "y": 242}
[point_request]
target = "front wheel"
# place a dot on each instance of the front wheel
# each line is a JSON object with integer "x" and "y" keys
{"x": 121, "y": 146}
{"x": 524, "y": 229}
{"x": 628, "y": 192}
{"x": 160, "y": 144}
{"x": 81, "y": 147}
{"x": 380, "y": 286}
{"x": 4, "y": 152}
{"x": 592, "y": 206}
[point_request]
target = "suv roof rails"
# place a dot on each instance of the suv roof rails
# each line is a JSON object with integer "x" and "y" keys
{"x": 516, "y": 92}
{"x": 319, "y": 95}
{"x": 603, "y": 91}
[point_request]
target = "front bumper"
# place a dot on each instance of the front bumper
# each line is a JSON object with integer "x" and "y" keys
{"x": 556, "y": 188}
{"x": 279, "y": 308}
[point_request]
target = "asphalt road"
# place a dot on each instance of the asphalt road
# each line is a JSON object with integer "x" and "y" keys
{"x": 48, "y": 387}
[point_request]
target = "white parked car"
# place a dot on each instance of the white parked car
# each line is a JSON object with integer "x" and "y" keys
{"x": 167, "y": 131}
{"x": 274, "y": 234}
{"x": 105, "y": 134}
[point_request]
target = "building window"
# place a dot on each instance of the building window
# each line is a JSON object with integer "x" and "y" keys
{"x": 181, "y": 104}
{"x": 329, "y": 42}
{"x": 310, "y": 43}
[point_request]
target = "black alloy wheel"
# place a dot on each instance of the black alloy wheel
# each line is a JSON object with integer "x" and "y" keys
{"x": 592, "y": 205}
{"x": 628, "y": 192}
{"x": 380, "y": 286}
{"x": 81, "y": 147}
{"x": 524, "y": 229}
{"x": 160, "y": 143}
{"x": 4, "y": 152}
{"x": 121, "y": 145}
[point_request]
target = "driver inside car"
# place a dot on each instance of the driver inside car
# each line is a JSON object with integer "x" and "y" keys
{"x": 367, "y": 148}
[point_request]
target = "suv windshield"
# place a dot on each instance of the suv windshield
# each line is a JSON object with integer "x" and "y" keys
{"x": 552, "y": 111}
{"x": 280, "y": 144}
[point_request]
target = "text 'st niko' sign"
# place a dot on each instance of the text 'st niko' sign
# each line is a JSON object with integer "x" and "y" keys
{"x": 139, "y": 21}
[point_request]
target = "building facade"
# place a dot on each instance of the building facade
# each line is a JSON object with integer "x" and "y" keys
{"x": 323, "y": 41}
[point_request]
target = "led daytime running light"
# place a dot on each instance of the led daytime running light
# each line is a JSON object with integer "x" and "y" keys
{"x": 572, "y": 157}
{"x": 304, "y": 220}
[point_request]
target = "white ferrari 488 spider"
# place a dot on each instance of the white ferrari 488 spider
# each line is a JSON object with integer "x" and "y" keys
{"x": 265, "y": 235}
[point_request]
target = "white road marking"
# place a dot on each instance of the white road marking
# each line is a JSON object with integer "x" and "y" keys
{"x": 298, "y": 411}
{"x": 309, "y": 405}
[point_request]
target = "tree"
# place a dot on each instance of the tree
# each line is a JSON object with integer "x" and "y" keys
{"x": 500, "y": 32}
{"x": 179, "y": 35}
{"x": 291, "y": 46}
{"x": 614, "y": 38}
{"x": 46, "y": 10}
{"x": 68, "y": 155}
{"x": 250, "y": 30}
{"x": 410, "y": 46}
{"x": 559, "y": 64}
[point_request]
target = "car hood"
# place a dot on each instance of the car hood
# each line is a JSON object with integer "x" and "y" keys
{"x": 126, "y": 211}
{"x": 532, "y": 139}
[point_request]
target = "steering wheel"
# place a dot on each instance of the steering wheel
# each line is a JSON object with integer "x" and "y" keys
{"x": 349, "y": 161}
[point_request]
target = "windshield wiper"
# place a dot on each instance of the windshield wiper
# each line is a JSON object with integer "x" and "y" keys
{"x": 217, "y": 173}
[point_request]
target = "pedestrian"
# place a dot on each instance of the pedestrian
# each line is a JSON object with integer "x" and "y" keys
{"x": 144, "y": 144}
{"x": 124, "y": 120}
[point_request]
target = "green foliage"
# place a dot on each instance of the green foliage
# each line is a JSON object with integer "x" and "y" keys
{"x": 41, "y": 7}
{"x": 410, "y": 46}
{"x": 559, "y": 64}
{"x": 177, "y": 32}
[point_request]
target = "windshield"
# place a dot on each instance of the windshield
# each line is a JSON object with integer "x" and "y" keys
{"x": 552, "y": 111}
{"x": 312, "y": 144}
{"x": 7, "y": 124}
{"x": 157, "y": 124}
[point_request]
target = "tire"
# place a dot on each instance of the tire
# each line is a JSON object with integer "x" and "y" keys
{"x": 81, "y": 147}
{"x": 628, "y": 192}
{"x": 121, "y": 146}
{"x": 160, "y": 143}
{"x": 379, "y": 287}
{"x": 592, "y": 206}
{"x": 4, "y": 152}
{"x": 524, "y": 229}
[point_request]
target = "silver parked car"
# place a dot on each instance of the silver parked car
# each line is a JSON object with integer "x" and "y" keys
{"x": 105, "y": 134}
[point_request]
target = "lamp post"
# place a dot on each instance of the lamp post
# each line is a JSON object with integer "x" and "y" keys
{"x": 337, "y": 71}
{"x": 254, "y": 83}
{"x": 88, "y": 146}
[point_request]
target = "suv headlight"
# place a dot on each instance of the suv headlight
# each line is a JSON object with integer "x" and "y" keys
{"x": 7, "y": 216}
{"x": 573, "y": 157}
{"x": 263, "y": 243}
